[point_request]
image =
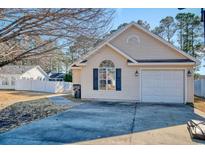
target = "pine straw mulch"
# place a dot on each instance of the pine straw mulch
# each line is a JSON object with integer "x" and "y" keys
{"x": 22, "y": 113}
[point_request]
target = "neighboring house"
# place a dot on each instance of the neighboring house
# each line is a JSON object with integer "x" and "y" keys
{"x": 56, "y": 76}
{"x": 135, "y": 65}
{"x": 10, "y": 73}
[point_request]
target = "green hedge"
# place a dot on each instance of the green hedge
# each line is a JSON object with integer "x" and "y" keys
{"x": 68, "y": 77}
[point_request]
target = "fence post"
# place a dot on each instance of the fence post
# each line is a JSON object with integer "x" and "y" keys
{"x": 45, "y": 85}
{"x": 202, "y": 88}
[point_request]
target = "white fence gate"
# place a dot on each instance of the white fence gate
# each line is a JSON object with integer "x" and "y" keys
{"x": 199, "y": 87}
{"x": 44, "y": 86}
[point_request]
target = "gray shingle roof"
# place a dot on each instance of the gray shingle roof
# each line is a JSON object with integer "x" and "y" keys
{"x": 15, "y": 69}
{"x": 57, "y": 75}
{"x": 162, "y": 60}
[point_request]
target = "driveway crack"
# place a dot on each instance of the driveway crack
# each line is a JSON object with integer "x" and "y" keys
{"x": 133, "y": 122}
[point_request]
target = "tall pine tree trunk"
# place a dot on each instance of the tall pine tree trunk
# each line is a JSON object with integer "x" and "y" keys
{"x": 181, "y": 37}
{"x": 186, "y": 48}
{"x": 192, "y": 41}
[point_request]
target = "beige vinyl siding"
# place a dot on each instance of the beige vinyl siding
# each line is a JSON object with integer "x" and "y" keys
{"x": 130, "y": 83}
{"x": 147, "y": 48}
{"x": 76, "y": 76}
{"x": 190, "y": 87}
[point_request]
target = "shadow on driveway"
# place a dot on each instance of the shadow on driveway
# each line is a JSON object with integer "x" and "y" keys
{"x": 97, "y": 120}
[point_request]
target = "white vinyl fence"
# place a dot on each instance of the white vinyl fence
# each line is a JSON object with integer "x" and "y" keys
{"x": 44, "y": 86}
{"x": 199, "y": 87}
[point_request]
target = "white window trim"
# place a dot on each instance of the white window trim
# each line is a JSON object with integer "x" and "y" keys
{"x": 106, "y": 85}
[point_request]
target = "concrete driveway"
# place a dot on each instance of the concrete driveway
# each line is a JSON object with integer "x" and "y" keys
{"x": 109, "y": 123}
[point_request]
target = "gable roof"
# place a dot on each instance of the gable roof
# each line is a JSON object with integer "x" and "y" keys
{"x": 19, "y": 69}
{"x": 117, "y": 33}
{"x": 121, "y": 52}
{"x": 112, "y": 47}
{"x": 42, "y": 71}
{"x": 15, "y": 69}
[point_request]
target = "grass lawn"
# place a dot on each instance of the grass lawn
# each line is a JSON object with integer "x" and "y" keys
{"x": 199, "y": 103}
{"x": 9, "y": 97}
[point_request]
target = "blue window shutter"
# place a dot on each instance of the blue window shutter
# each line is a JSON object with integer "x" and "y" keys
{"x": 95, "y": 79}
{"x": 118, "y": 79}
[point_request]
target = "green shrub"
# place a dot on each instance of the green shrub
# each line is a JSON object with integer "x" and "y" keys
{"x": 68, "y": 77}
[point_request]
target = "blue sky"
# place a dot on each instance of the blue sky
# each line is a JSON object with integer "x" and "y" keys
{"x": 152, "y": 16}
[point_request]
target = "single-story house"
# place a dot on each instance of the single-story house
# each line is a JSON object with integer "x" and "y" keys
{"x": 134, "y": 64}
{"x": 10, "y": 73}
{"x": 56, "y": 76}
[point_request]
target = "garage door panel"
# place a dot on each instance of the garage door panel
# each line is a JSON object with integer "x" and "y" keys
{"x": 162, "y": 86}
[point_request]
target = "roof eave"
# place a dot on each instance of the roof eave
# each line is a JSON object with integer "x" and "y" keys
{"x": 163, "y": 63}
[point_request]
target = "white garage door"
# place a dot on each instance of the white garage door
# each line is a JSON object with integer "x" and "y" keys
{"x": 162, "y": 86}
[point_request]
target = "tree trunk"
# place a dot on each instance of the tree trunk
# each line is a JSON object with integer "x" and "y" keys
{"x": 192, "y": 41}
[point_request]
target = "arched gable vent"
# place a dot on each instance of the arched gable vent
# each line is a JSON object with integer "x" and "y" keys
{"x": 133, "y": 39}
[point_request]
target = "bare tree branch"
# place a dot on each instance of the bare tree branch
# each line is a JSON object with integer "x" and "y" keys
{"x": 30, "y": 32}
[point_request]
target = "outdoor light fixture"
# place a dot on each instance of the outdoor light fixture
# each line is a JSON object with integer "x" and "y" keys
{"x": 189, "y": 73}
{"x": 136, "y": 73}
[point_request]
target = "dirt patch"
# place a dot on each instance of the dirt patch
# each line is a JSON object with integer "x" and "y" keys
{"x": 22, "y": 113}
{"x": 199, "y": 103}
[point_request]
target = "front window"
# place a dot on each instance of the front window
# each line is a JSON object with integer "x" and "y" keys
{"x": 107, "y": 75}
{"x": 5, "y": 81}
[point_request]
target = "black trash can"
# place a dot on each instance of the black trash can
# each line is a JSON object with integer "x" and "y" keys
{"x": 77, "y": 90}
